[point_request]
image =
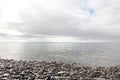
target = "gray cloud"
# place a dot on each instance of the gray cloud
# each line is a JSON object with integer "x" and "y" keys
{"x": 86, "y": 19}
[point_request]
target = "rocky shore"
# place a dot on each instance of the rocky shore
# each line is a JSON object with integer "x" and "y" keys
{"x": 34, "y": 70}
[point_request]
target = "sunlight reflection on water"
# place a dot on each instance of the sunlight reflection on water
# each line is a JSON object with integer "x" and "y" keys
{"x": 94, "y": 54}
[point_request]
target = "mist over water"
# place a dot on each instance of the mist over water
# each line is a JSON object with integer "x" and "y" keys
{"x": 93, "y": 54}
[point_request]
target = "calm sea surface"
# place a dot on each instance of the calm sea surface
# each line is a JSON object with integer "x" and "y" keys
{"x": 94, "y": 54}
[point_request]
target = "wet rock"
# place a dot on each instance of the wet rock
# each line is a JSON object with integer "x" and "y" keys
{"x": 4, "y": 78}
{"x": 100, "y": 79}
{"x": 95, "y": 74}
{"x": 6, "y": 75}
{"x": 81, "y": 78}
{"x": 35, "y": 70}
{"x": 15, "y": 76}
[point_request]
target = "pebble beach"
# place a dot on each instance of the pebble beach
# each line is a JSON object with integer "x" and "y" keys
{"x": 41, "y": 70}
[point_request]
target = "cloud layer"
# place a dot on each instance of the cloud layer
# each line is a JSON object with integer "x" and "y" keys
{"x": 83, "y": 19}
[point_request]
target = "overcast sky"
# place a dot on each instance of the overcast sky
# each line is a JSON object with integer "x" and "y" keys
{"x": 59, "y": 20}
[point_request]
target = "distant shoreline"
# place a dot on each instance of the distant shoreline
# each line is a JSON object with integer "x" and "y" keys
{"x": 38, "y": 70}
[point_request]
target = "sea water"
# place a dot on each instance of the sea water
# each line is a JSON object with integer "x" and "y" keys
{"x": 93, "y": 54}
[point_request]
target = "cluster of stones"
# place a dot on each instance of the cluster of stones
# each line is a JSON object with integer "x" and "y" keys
{"x": 35, "y": 70}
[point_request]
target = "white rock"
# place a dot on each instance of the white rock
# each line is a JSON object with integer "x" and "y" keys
{"x": 62, "y": 72}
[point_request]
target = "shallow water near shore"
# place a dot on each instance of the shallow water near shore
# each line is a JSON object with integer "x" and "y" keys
{"x": 92, "y": 54}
